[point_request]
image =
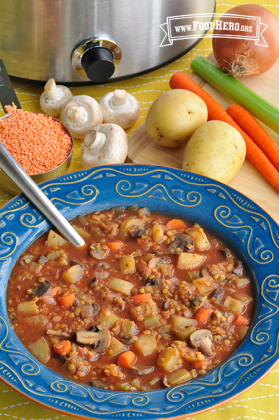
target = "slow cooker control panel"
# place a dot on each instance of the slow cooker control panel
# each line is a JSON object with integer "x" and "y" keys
{"x": 96, "y": 59}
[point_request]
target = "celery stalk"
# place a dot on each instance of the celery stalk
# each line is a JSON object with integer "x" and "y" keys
{"x": 237, "y": 92}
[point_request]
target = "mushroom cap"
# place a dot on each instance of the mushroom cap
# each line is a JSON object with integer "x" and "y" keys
{"x": 53, "y": 107}
{"x": 124, "y": 115}
{"x": 141, "y": 370}
{"x": 202, "y": 339}
{"x": 42, "y": 288}
{"x": 181, "y": 243}
{"x": 88, "y": 109}
{"x": 99, "y": 252}
{"x": 114, "y": 148}
{"x": 100, "y": 340}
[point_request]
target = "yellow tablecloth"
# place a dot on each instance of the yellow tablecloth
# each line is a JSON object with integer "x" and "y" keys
{"x": 260, "y": 402}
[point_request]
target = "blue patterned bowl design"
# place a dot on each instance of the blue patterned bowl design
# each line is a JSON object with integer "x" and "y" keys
{"x": 244, "y": 226}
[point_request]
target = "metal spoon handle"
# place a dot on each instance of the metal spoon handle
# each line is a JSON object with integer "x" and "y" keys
{"x": 10, "y": 166}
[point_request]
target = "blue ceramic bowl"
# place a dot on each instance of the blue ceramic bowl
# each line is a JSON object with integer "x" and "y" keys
{"x": 245, "y": 227}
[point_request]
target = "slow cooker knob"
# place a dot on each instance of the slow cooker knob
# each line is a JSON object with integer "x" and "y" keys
{"x": 98, "y": 64}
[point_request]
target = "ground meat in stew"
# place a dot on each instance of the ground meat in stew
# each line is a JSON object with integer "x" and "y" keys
{"x": 149, "y": 301}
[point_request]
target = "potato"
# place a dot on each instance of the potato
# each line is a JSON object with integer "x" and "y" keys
{"x": 174, "y": 116}
{"x": 216, "y": 149}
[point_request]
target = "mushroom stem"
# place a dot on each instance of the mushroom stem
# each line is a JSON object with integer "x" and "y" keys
{"x": 119, "y": 98}
{"x": 51, "y": 90}
{"x": 77, "y": 114}
{"x": 95, "y": 141}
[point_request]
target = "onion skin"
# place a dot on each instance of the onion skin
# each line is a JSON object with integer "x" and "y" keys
{"x": 242, "y": 57}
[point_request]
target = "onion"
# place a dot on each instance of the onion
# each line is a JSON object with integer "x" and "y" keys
{"x": 242, "y": 57}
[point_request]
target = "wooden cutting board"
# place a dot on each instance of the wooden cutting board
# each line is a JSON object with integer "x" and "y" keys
{"x": 248, "y": 180}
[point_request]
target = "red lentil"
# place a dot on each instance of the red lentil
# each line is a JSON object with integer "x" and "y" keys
{"x": 37, "y": 141}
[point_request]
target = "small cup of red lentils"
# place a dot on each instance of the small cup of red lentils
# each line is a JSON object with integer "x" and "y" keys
{"x": 41, "y": 144}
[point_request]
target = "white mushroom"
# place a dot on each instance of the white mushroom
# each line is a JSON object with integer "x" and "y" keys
{"x": 100, "y": 339}
{"x": 202, "y": 340}
{"x": 81, "y": 114}
{"x": 54, "y": 98}
{"x": 120, "y": 107}
{"x": 106, "y": 144}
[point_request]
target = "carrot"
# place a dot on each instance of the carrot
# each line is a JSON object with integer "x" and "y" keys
{"x": 175, "y": 224}
{"x": 67, "y": 301}
{"x": 126, "y": 359}
{"x": 180, "y": 80}
{"x": 62, "y": 348}
{"x": 115, "y": 246}
{"x": 142, "y": 298}
{"x": 203, "y": 315}
{"x": 241, "y": 321}
{"x": 200, "y": 364}
{"x": 254, "y": 129}
{"x": 54, "y": 292}
{"x": 256, "y": 156}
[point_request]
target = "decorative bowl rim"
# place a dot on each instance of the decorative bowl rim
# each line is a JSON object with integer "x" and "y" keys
{"x": 240, "y": 222}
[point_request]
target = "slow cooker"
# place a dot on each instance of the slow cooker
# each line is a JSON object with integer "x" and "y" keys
{"x": 93, "y": 41}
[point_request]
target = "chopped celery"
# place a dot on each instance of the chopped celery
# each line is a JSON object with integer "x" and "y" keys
{"x": 125, "y": 386}
{"x": 183, "y": 333}
{"x": 237, "y": 92}
{"x": 136, "y": 383}
{"x": 191, "y": 275}
{"x": 54, "y": 255}
{"x": 151, "y": 321}
{"x": 182, "y": 321}
{"x": 154, "y": 381}
{"x": 128, "y": 328}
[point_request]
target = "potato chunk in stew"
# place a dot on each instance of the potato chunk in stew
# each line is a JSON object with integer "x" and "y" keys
{"x": 149, "y": 301}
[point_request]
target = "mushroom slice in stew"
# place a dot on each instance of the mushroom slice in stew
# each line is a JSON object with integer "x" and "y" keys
{"x": 141, "y": 370}
{"x": 99, "y": 340}
{"x": 202, "y": 340}
{"x": 99, "y": 251}
{"x": 43, "y": 288}
{"x": 137, "y": 231}
{"x": 181, "y": 243}
{"x": 98, "y": 384}
{"x": 238, "y": 269}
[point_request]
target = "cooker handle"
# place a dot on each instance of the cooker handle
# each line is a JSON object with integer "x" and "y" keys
{"x": 98, "y": 64}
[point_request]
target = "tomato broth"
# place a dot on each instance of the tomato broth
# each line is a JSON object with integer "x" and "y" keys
{"x": 150, "y": 301}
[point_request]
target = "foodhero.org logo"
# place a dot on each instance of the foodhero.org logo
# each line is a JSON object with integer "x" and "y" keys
{"x": 199, "y": 26}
